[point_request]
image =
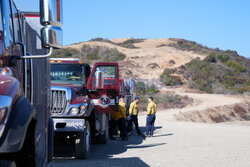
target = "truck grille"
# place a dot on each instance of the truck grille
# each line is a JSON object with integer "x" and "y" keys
{"x": 58, "y": 101}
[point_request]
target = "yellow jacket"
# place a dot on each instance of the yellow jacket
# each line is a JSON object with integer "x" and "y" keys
{"x": 120, "y": 114}
{"x": 122, "y": 109}
{"x": 151, "y": 108}
{"x": 134, "y": 108}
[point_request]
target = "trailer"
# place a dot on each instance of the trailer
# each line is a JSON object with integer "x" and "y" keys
{"x": 26, "y": 40}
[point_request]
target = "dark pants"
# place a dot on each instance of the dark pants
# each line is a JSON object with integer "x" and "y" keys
{"x": 150, "y": 126}
{"x": 134, "y": 119}
{"x": 121, "y": 124}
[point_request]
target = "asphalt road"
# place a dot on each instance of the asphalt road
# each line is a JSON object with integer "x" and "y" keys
{"x": 174, "y": 144}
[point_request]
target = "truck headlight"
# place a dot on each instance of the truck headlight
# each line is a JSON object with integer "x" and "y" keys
{"x": 74, "y": 111}
{"x": 82, "y": 109}
{"x": 3, "y": 118}
{"x": 2, "y": 115}
{"x": 5, "y": 103}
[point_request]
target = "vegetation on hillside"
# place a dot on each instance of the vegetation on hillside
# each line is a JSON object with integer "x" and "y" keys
{"x": 91, "y": 53}
{"x": 129, "y": 43}
{"x": 169, "y": 78}
{"x": 163, "y": 101}
{"x": 223, "y": 55}
{"x": 217, "y": 73}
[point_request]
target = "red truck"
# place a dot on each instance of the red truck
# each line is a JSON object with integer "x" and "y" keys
{"x": 82, "y": 99}
{"x": 26, "y": 40}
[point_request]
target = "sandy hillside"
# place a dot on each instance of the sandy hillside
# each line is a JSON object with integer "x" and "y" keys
{"x": 149, "y": 60}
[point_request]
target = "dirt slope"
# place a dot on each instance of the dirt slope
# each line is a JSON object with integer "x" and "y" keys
{"x": 150, "y": 58}
{"x": 209, "y": 107}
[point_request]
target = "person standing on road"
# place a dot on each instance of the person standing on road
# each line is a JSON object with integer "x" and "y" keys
{"x": 133, "y": 113}
{"x": 118, "y": 120}
{"x": 151, "y": 111}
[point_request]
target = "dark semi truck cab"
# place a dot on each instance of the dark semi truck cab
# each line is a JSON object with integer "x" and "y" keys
{"x": 82, "y": 100}
{"x": 26, "y": 40}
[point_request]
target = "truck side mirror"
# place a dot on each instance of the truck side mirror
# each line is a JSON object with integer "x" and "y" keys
{"x": 99, "y": 79}
{"x": 51, "y": 19}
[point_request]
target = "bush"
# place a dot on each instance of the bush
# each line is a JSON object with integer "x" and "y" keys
{"x": 130, "y": 43}
{"x": 142, "y": 89}
{"x": 223, "y": 58}
{"x": 211, "y": 58}
{"x": 237, "y": 67}
{"x": 169, "y": 79}
{"x": 215, "y": 77}
{"x": 164, "y": 101}
{"x": 93, "y": 55}
{"x": 64, "y": 53}
{"x": 101, "y": 40}
{"x": 161, "y": 45}
{"x": 220, "y": 72}
{"x": 171, "y": 62}
{"x": 126, "y": 44}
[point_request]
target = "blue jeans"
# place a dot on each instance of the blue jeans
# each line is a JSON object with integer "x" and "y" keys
{"x": 150, "y": 126}
{"x": 134, "y": 119}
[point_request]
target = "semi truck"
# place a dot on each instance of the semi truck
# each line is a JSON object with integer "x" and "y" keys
{"x": 26, "y": 40}
{"x": 82, "y": 99}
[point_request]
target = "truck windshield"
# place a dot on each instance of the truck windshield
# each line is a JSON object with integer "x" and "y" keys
{"x": 68, "y": 73}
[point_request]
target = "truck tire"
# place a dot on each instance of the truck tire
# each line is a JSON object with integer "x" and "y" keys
{"x": 83, "y": 143}
{"x": 7, "y": 163}
{"x": 104, "y": 138}
{"x": 27, "y": 156}
{"x": 50, "y": 139}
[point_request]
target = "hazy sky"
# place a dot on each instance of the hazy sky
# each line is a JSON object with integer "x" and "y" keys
{"x": 215, "y": 23}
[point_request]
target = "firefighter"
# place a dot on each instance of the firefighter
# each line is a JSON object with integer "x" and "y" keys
{"x": 151, "y": 111}
{"x": 118, "y": 120}
{"x": 133, "y": 113}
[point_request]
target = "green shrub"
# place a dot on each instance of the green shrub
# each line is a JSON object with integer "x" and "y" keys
{"x": 161, "y": 45}
{"x": 237, "y": 67}
{"x": 211, "y": 58}
{"x": 93, "y": 55}
{"x": 223, "y": 57}
{"x": 169, "y": 79}
{"x": 220, "y": 72}
{"x": 100, "y": 40}
{"x": 64, "y": 53}
{"x": 142, "y": 89}
{"x": 126, "y": 44}
{"x": 209, "y": 75}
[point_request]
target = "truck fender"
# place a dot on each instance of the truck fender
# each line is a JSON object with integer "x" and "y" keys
{"x": 21, "y": 116}
{"x": 91, "y": 107}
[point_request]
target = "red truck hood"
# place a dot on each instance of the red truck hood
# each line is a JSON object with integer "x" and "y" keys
{"x": 66, "y": 85}
{"x": 76, "y": 98}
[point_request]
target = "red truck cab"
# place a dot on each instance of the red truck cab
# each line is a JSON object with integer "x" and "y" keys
{"x": 81, "y": 102}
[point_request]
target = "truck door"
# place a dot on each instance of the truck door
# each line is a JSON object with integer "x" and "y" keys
{"x": 106, "y": 100}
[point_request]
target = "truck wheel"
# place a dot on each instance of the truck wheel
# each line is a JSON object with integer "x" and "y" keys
{"x": 7, "y": 163}
{"x": 27, "y": 156}
{"x": 83, "y": 143}
{"x": 50, "y": 139}
{"x": 104, "y": 138}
